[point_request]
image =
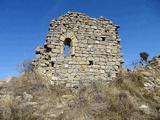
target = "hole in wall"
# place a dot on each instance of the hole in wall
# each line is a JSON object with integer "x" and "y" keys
{"x": 119, "y": 42}
{"x": 52, "y": 64}
{"x": 67, "y": 47}
{"x": 117, "y": 74}
{"x": 103, "y": 38}
{"x": 47, "y": 48}
{"x": 90, "y": 62}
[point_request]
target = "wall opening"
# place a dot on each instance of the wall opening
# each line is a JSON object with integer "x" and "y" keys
{"x": 47, "y": 48}
{"x": 52, "y": 64}
{"x": 90, "y": 62}
{"x": 67, "y": 47}
{"x": 103, "y": 38}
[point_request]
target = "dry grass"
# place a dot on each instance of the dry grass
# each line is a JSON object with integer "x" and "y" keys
{"x": 120, "y": 100}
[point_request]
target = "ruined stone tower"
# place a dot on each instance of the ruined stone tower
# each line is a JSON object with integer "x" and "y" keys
{"x": 79, "y": 48}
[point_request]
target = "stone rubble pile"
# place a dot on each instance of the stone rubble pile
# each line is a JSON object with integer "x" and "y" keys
{"x": 151, "y": 74}
{"x": 94, "y": 50}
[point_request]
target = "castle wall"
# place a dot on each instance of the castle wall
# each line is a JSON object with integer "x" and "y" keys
{"x": 94, "y": 50}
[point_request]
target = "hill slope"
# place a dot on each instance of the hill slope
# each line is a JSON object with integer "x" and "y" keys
{"x": 132, "y": 95}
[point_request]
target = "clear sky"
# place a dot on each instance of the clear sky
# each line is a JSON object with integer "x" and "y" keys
{"x": 24, "y": 25}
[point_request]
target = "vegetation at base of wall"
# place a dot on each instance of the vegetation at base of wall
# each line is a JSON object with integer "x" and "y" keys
{"x": 30, "y": 97}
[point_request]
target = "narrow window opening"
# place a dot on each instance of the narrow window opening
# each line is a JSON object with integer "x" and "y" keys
{"x": 103, "y": 38}
{"x": 90, "y": 62}
{"x": 67, "y": 47}
{"x": 48, "y": 49}
{"x": 73, "y": 55}
{"x": 52, "y": 64}
{"x": 38, "y": 52}
{"x": 117, "y": 74}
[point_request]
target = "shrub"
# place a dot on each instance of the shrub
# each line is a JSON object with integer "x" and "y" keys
{"x": 144, "y": 57}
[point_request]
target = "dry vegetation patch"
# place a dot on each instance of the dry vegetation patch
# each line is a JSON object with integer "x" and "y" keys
{"x": 30, "y": 97}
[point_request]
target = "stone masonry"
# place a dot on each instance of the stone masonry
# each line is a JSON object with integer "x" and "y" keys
{"x": 93, "y": 45}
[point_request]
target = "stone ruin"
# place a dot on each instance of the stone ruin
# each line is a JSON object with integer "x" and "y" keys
{"x": 79, "y": 48}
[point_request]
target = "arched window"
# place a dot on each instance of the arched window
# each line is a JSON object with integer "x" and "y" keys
{"x": 67, "y": 47}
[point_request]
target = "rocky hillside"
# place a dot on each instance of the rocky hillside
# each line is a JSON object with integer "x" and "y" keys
{"x": 132, "y": 95}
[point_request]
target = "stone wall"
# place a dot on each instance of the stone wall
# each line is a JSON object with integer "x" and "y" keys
{"x": 94, "y": 50}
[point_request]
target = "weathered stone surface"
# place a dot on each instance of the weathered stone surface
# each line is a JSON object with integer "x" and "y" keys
{"x": 94, "y": 50}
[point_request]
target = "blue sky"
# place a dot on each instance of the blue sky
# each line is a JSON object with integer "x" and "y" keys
{"x": 24, "y": 25}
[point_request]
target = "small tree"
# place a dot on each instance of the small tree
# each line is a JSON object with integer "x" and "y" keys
{"x": 144, "y": 58}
